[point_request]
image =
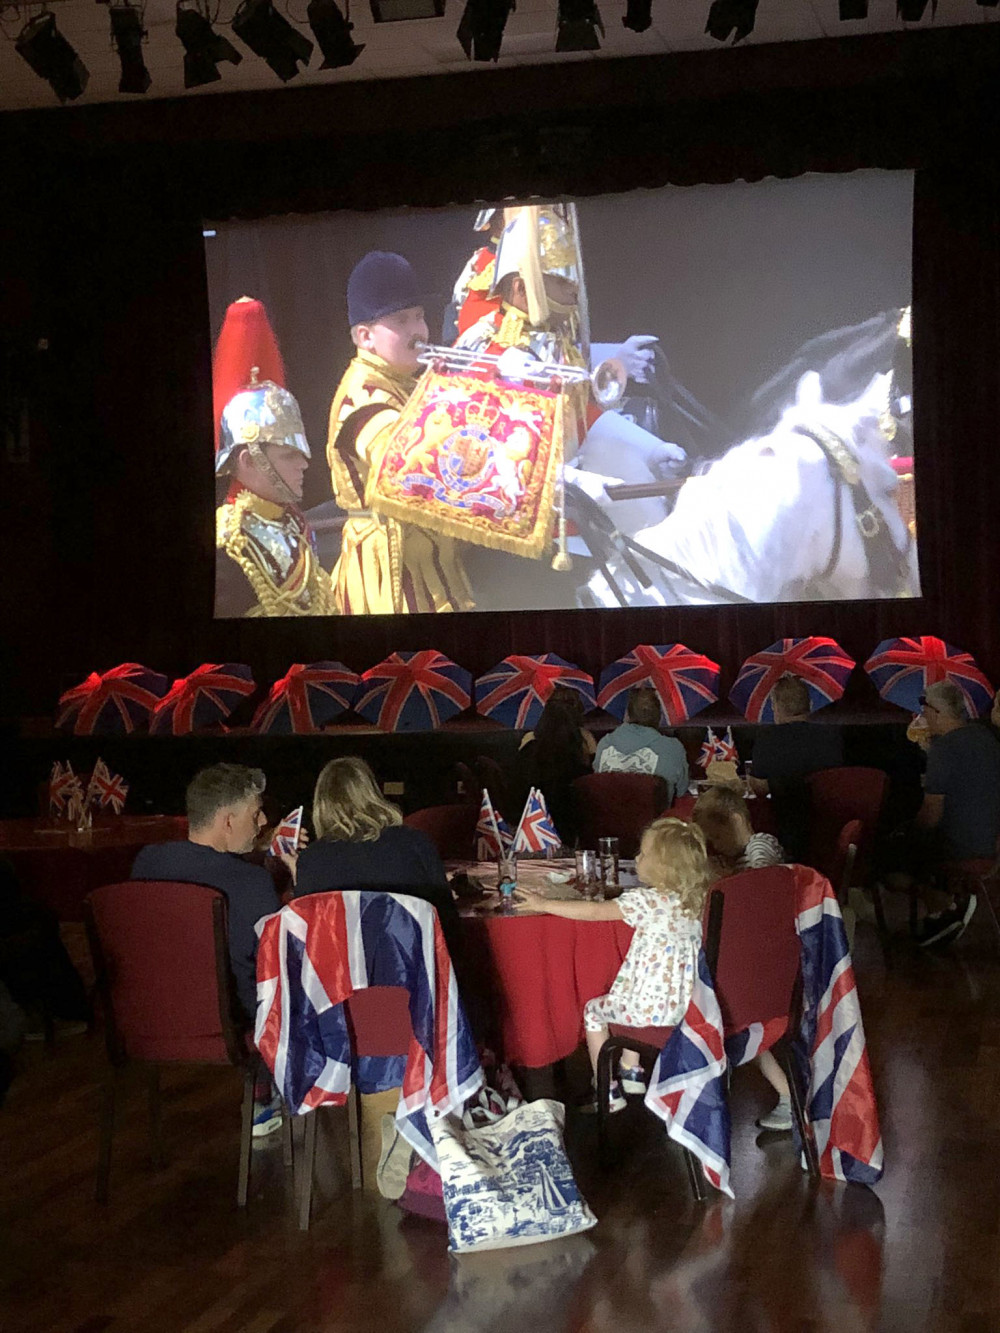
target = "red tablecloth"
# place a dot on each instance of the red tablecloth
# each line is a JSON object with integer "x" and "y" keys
{"x": 59, "y": 867}
{"x": 536, "y": 973}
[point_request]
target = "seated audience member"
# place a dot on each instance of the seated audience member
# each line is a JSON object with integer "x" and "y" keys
{"x": 656, "y": 981}
{"x": 224, "y": 818}
{"x": 572, "y": 701}
{"x": 552, "y": 760}
{"x": 361, "y": 842}
{"x": 789, "y": 751}
{"x": 637, "y": 746}
{"x": 724, "y": 818}
{"x": 960, "y": 816}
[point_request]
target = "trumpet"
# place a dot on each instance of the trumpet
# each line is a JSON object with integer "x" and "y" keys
{"x": 607, "y": 381}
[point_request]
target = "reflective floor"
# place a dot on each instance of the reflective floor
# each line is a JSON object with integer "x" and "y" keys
{"x": 171, "y": 1252}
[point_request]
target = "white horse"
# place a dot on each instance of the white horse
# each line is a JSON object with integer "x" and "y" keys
{"x": 776, "y": 520}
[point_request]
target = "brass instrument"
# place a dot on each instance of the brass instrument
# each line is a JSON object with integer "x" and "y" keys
{"x": 607, "y": 381}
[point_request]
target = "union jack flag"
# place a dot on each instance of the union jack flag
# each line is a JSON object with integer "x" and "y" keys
{"x": 312, "y": 956}
{"x": 726, "y": 748}
{"x": 286, "y": 835}
{"x": 64, "y": 785}
{"x": 709, "y": 748}
{"x": 413, "y": 691}
{"x": 903, "y": 668}
{"x": 688, "y": 1089}
{"x": 493, "y": 833}
{"x": 821, "y": 663}
{"x": 536, "y": 830}
{"x": 685, "y": 681}
{"x": 106, "y": 788}
{"x": 516, "y": 690}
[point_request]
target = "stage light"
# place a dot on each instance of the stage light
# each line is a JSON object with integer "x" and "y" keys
{"x": 638, "y": 15}
{"x": 912, "y": 11}
{"x": 272, "y": 37}
{"x": 731, "y": 16}
{"x": 127, "y": 33}
{"x": 481, "y": 28}
{"x": 204, "y": 49}
{"x": 332, "y": 31}
{"x": 392, "y": 11}
{"x": 52, "y": 58}
{"x": 853, "y": 9}
{"x": 578, "y": 22}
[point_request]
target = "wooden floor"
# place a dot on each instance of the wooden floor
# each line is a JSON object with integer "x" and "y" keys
{"x": 171, "y": 1252}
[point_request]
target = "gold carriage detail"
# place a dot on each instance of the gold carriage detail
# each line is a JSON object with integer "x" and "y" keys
{"x": 476, "y": 459}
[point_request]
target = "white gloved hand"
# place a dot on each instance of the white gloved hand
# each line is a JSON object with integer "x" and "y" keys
{"x": 515, "y": 364}
{"x": 591, "y": 483}
{"x": 636, "y": 355}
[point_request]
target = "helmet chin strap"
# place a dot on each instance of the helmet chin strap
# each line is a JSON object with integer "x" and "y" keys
{"x": 263, "y": 464}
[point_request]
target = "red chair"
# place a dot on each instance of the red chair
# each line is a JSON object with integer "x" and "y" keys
{"x": 753, "y": 953}
{"x": 840, "y": 869}
{"x": 378, "y": 1020}
{"x": 836, "y": 796}
{"x": 451, "y": 828}
{"x": 618, "y": 805}
{"x": 161, "y": 958}
{"x": 975, "y": 876}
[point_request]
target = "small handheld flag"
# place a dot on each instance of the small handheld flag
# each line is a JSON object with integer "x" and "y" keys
{"x": 65, "y": 791}
{"x": 492, "y": 833}
{"x": 536, "y": 830}
{"x": 709, "y": 748}
{"x": 286, "y": 836}
{"x": 725, "y": 749}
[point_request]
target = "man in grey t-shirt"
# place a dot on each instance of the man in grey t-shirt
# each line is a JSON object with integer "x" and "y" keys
{"x": 638, "y": 747}
{"x": 961, "y": 797}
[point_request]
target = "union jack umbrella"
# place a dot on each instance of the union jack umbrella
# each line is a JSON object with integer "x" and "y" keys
{"x": 306, "y": 698}
{"x": 413, "y": 691}
{"x": 903, "y": 668}
{"x": 205, "y": 697}
{"x": 112, "y": 703}
{"x": 821, "y": 663}
{"x": 515, "y": 691}
{"x": 685, "y": 681}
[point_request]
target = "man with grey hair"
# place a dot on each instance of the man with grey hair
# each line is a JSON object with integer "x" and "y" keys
{"x": 960, "y": 814}
{"x": 638, "y": 746}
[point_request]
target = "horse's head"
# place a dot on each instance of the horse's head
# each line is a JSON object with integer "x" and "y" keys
{"x": 858, "y": 423}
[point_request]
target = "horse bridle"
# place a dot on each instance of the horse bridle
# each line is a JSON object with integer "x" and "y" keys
{"x": 887, "y": 565}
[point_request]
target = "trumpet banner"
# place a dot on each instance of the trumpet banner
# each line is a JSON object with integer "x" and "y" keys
{"x": 475, "y": 459}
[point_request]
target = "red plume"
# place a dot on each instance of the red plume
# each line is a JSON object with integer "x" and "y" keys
{"x": 246, "y": 339}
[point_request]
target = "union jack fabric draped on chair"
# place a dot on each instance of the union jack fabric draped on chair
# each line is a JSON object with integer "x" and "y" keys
{"x": 207, "y": 696}
{"x": 688, "y": 1089}
{"x": 312, "y": 956}
{"x": 306, "y": 699}
{"x": 903, "y": 668}
{"x": 515, "y": 691}
{"x": 114, "y": 702}
{"x": 821, "y": 663}
{"x": 685, "y": 681}
{"x": 413, "y": 691}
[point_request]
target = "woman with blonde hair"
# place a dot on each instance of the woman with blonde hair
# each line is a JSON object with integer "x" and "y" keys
{"x": 655, "y": 982}
{"x": 361, "y": 842}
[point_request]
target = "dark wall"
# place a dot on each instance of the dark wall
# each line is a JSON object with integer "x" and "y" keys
{"x": 106, "y": 493}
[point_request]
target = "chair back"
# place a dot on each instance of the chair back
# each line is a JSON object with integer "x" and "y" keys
{"x": 490, "y": 775}
{"x": 378, "y": 1019}
{"x": 451, "y": 828}
{"x": 161, "y": 958}
{"x": 618, "y": 805}
{"x": 844, "y": 857}
{"x": 755, "y": 957}
{"x": 836, "y": 796}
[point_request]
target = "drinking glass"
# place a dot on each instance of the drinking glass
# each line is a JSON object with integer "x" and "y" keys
{"x": 587, "y": 877}
{"x": 748, "y": 790}
{"x": 608, "y": 848}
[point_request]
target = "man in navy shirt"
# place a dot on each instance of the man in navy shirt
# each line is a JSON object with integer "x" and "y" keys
{"x": 224, "y": 818}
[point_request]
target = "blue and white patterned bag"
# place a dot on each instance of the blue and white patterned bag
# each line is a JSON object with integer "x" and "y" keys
{"x": 509, "y": 1182}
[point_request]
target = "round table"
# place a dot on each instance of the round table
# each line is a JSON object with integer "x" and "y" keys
{"x": 58, "y": 866}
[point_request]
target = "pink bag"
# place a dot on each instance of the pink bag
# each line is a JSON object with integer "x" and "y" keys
{"x": 423, "y": 1196}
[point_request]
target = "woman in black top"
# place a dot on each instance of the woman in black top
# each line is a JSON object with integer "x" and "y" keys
{"x": 361, "y": 842}
{"x": 551, "y": 761}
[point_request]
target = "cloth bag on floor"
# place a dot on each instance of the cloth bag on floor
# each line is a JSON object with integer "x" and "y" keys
{"x": 509, "y": 1181}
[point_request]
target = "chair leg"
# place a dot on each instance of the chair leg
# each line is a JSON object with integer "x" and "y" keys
{"x": 246, "y": 1135}
{"x": 695, "y": 1178}
{"x": 107, "y": 1131}
{"x": 913, "y": 913}
{"x": 607, "y": 1055}
{"x": 881, "y": 925}
{"x": 156, "y": 1119}
{"x": 799, "y": 1111}
{"x": 354, "y": 1137}
{"x": 286, "y": 1136}
{"x": 306, "y": 1172}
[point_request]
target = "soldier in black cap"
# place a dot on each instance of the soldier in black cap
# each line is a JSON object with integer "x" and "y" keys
{"x": 384, "y": 566}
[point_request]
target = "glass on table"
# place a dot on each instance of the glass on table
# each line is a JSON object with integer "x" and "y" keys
{"x": 748, "y": 791}
{"x": 588, "y": 874}
{"x": 608, "y": 850}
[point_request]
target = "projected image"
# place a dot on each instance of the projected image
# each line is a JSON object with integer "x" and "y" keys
{"x": 674, "y": 397}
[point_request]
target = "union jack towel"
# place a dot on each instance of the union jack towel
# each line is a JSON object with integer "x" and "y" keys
{"x": 688, "y": 1088}
{"x": 312, "y": 956}
{"x": 286, "y": 835}
{"x": 106, "y": 788}
{"x": 536, "y": 830}
{"x": 493, "y": 834}
{"x": 64, "y": 786}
